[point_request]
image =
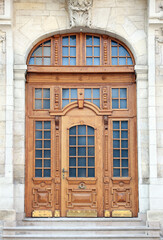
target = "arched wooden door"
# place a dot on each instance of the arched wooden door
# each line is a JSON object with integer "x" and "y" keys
{"x": 81, "y": 133}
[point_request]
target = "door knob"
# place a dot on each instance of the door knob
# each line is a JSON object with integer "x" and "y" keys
{"x": 63, "y": 173}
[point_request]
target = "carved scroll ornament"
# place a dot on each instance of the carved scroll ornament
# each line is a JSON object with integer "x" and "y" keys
{"x": 80, "y": 12}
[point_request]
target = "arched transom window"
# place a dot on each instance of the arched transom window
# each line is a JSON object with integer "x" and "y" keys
{"x": 80, "y": 49}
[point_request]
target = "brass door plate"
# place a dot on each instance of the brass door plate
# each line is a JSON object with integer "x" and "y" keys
{"x": 57, "y": 213}
{"x": 107, "y": 213}
{"x": 82, "y": 213}
{"x": 42, "y": 214}
{"x": 122, "y": 213}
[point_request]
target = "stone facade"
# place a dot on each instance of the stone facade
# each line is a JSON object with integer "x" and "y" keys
{"x": 139, "y": 24}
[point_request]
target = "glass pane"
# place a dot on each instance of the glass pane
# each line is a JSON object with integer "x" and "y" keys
{"x": 38, "y": 61}
{"x": 116, "y": 163}
{"x": 91, "y": 172}
{"x": 96, "y": 51}
{"x": 38, "y": 51}
{"x": 65, "y": 61}
{"x": 114, "y": 51}
{"x": 124, "y": 144}
{"x": 113, "y": 43}
{"x": 38, "y": 92}
{"x": 114, "y": 61}
{"x": 123, "y": 93}
{"x": 65, "y": 41}
{"x": 65, "y": 52}
{"x": 72, "y": 141}
{"x": 72, "y": 172}
{"x": 87, "y": 93}
{"x": 115, "y": 93}
{"x": 38, "y": 163}
{"x": 72, "y": 162}
{"x": 124, "y": 172}
{"x": 47, "y": 135}
{"x": 38, "y": 172}
{"x": 90, "y": 140}
{"x": 38, "y": 104}
{"x": 38, "y": 144}
{"x": 47, "y": 163}
{"x": 47, "y": 153}
{"x": 96, "y": 93}
{"x": 73, "y": 40}
{"x": 82, "y": 162}
{"x": 65, "y": 93}
{"x": 116, "y": 134}
{"x": 31, "y": 61}
{"x": 46, "y": 172}
{"x": 116, "y": 144}
{"x": 123, "y": 104}
{"x": 38, "y": 135}
{"x": 96, "y": 61}
{"x": 81, "y": 140}
{"x": 115, "y": 103}
{"x": 97, "y": 103}
{"x": 47, "y": 51}
{"x": 122, "y": 61}
{"x": 47, "y": 43}
{"x": 116, "y": 172}
{"x": 123, "y": 52}
{"x": 89, "y": 61}
{"x": 46, "y": 104}
{"x": 72, "y": 131}
{"x": 81, "y": 172}
{"x": 72, "y": 61}
{"x": 46, "y": 93}
{"x": 90, "y": 131}
{"x": 64, "y": 103}
{"x": 96, "y": 41}
{"x": 38, "y": 125}
{"x": 91, "y": 162}
{"x": 116, "y": 153}
{"x": 88, "y": 40}
{"x": 47, "y": 125}
{"x": 89, "y": 51}
{"x": 73, "y": 51}
{"x": 124, "y": 124}
{"x": 72, "y": 151}
{"x": 47, "y": 61}
{"x": 38, "y": 153}
{"x": 82, "y": 130}
{"x": 81, "y": 151}
{"x": 124, "y": 162}
{"x": 124, "y": 134}
{"x": 116, "y": 125}
{"x": 129, "y": 61}
{"x": 74, "y": 93}
{"x": 124, "y": 153}
{"x": 91, "y": 151}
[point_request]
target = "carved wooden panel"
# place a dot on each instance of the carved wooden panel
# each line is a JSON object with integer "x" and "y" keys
{"x": 121, "y": 197}
{"x": 42, "y": 197}
{"x": 82, "y": 198}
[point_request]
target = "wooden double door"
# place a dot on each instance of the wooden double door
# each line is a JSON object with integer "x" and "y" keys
{"x": 81, "y": 156}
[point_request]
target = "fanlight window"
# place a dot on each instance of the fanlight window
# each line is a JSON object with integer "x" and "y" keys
{"x": 79, "y": 50}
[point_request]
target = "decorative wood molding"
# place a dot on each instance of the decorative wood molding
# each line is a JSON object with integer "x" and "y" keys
{"x": 56, "y": 98}
{"x": 80, "y": 12}
{"x": 104, "y": 98}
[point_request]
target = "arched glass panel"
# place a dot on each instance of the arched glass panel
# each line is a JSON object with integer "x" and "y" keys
{"x": 81, "y": 151}
{"x": 69, "y": 50}
{"x": 120, "y": 56}
{"x": 92, "y": 50}
{"x": 42, "y": 54}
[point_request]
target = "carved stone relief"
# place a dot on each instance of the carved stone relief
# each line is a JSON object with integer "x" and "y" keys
{"x": 2, "y": 5}
{"x": 3, "y": 40}
{"x": 79, "y": 12}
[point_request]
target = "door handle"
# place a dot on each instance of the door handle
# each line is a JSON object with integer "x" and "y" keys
{"x": 63, "y": 173}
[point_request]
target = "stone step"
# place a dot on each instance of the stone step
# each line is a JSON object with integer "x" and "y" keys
{"x": 81, "y": 222}
{"x": 81, "y": 237}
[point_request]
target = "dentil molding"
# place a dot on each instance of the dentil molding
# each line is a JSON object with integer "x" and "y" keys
{"x": 80, "y": 12}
